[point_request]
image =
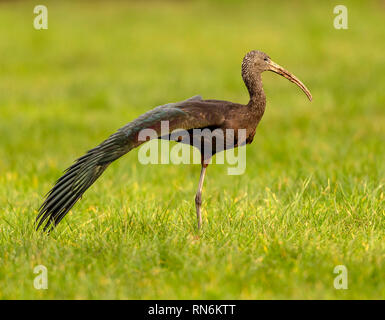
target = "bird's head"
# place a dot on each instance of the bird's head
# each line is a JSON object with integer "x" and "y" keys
{"x": 255, "y": 62}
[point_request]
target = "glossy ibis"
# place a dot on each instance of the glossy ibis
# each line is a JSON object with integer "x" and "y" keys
{"x": 193, "y": 113}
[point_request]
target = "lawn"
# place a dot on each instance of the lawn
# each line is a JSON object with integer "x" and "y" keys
{"x": 312, "y": 196}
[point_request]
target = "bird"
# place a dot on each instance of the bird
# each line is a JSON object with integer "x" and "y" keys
{"x": 191, "y": 114}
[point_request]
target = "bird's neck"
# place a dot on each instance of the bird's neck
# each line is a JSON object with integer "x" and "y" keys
{"x": 257, "y": 100}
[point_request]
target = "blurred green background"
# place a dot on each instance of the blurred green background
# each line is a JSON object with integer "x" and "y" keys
{"x": 312, "y": 196}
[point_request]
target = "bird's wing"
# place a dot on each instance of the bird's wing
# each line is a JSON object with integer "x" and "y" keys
{"x": 187, "y": 114}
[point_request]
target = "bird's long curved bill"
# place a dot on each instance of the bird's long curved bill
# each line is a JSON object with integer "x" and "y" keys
{"x": 283, "y": 72}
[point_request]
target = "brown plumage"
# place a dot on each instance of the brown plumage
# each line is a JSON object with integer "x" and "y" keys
{"x": 194, "y": 113}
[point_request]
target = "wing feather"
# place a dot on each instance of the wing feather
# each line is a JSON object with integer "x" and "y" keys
{"x": 69, "y": 188}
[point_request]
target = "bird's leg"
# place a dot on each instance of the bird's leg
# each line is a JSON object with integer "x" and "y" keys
{"x": 198, "y": 196}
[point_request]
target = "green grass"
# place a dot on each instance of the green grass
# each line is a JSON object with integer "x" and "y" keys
{"x": 312, "y": 196}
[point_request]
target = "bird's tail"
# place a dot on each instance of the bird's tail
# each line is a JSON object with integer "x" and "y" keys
{"x": 83, "y": 173}
{"x": 76, "y": 180}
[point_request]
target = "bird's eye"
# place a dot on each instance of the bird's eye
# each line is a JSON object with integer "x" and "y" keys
{"x": 266, "y": 59}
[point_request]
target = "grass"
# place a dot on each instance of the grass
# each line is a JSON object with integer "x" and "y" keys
{"x": 312, "y": 196}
